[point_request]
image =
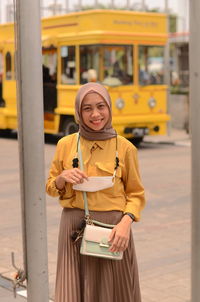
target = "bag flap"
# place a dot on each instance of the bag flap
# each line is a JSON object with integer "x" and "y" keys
{"x": 97, "y": 234}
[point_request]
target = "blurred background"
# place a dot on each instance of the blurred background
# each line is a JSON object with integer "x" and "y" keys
{"x": 141, "y": 110}
{"x": 178, "y": 40}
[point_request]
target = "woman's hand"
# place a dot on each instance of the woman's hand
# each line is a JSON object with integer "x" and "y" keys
{"x": 120, "y": 235}
{"x": 73, "y": 176}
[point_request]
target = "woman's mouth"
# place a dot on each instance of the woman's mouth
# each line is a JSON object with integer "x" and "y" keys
{"x": 96, "y": 122}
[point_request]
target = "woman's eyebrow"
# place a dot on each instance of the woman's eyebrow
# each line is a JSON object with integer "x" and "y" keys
{"x": 101, "y": 102}
{"x": 84, "y": 105}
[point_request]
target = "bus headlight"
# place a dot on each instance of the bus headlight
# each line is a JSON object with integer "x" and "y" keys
{"x": 152, "y": 102}
{"x": 120, "y": 103}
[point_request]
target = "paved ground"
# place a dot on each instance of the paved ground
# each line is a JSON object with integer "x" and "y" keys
{"x": 6, "y": 292}
{"x": 175, "y": 136}
{"x": 7, "y": 296}
{"x": 162, "y": 237}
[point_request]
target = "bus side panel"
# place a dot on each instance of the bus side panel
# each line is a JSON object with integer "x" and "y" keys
{"x": 137, "y": 111}
{"x": 10, "y": 112}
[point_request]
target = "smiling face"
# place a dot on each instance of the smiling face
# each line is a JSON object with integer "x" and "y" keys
{"x": 95, "y": 111}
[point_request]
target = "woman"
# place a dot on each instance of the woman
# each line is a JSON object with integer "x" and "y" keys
{"x": 85, "y": 278}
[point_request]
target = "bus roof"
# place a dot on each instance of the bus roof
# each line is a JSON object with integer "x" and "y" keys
{"x": 93, "y": 26}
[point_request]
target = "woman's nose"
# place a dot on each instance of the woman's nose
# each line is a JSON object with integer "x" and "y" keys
{"x": 95, "y": 112}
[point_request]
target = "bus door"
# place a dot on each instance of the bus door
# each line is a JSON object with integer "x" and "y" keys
{"x": 49, "y": 68}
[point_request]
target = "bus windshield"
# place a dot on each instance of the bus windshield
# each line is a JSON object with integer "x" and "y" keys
{"x": 151, "y": 65}
{"x": 111, "y": 65}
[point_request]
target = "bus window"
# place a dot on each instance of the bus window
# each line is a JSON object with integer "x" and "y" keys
{"x": 8, "y": 66}
{"x": 110, "y": 64}
{"x": 49, "y": 68}
{"x": 68, "y": 75}
{"x": 49, "y": 64}
{"x": 89, "y": 63}
{"x": 14, "y": 66}
{"x": 118, "y": 65}
{"x": 151, "y": 65}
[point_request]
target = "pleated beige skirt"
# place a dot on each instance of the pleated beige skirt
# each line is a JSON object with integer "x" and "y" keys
{"x": 90, "y": 279}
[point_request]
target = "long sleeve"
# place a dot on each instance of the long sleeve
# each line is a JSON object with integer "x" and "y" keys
{"x": 65, "y": 150}
{"x": 55, "y": 170}
{"x": 134, "y": 190}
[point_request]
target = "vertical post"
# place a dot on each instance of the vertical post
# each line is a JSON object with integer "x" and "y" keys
{"x": 31, "y": 147}
{"x": 128, "y": 4}
{"x": 79, "y": 4}
{"x": 143, "y": 5}
{"x": 67, "y": 5}
{"x": 0, "y": 12}
{"x": 41, "y": 8}
{"x": 195, "y": 136}
{"x": 96, "y": 3}
{"x": 55, "y": 8}
{"x": 167, "y": 49}
{"x": 167, "y": 63}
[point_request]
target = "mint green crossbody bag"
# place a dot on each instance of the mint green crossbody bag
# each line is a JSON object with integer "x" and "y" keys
{"x": 95, "y": 241}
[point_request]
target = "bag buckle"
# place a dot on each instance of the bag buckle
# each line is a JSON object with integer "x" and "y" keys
{"x": 103, "y": 245}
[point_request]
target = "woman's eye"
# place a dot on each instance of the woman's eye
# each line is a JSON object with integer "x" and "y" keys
{"x": 86, "y": 108}
{"x": 101, "y": 106}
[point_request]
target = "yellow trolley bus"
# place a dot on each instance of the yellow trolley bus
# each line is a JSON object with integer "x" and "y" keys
{"x": 123, "y": 50}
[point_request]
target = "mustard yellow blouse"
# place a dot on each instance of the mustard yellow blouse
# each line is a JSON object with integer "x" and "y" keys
{"x": 127, "y": 193}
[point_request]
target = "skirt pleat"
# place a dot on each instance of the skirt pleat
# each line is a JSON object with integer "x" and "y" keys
{"x": 90, "y": 279}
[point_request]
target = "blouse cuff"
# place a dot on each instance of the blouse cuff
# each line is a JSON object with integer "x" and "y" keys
{"x": 60, "y": 192}
{"x": 134, "y": 211}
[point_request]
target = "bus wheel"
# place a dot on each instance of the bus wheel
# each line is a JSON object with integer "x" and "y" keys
{"x": 136, "y": 140}
{"x": 69, "y": 126}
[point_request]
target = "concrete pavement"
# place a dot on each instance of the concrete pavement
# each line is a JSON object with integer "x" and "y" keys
{"x": 175, "y": 136}
{"x": 6, "y": 292}
{"x": 7, "y": 296}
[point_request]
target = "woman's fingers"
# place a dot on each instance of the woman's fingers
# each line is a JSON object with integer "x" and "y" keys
{"x": 75, "y": 179}
{"x": 112, "y": 235}
{"x": 115, "y": 242}
{"x": 74, "y": 176}
{"x": 78, "y": 176}
{"x": 119, "y": 244}
{"x": 115, "y": 245}
{"x": 119, "y": 238}
{"x": 81, "y": 173}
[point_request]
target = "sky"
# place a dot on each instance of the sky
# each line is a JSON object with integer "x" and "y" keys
{"x": 179, "y": 7}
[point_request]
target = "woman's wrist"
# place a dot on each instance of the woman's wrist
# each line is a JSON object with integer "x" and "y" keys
{"x": 132, "y": 217}
{"x": 127, "y": 219}
{"x": 60, "y": 182}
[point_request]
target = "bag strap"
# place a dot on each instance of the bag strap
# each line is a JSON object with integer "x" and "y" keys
{"x": 87, "y": 213}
